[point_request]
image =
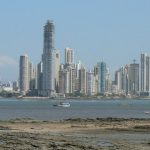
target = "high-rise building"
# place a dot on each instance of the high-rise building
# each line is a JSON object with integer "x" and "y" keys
{"x": 145, "y": 74}
{"x": 57, "y": 68}
{"x": 72, "y": 78}
{"x": 133, "y": 78}
{"x": 27, "y": 75}
{"x": 127, "y": 79}
{"x": 48, "y": 59}
{"x": 24, "y": 74}
{"x": 69, "y": 56}
{"x": 82, "y": 80}
{"x": 70, "y": 71}
{"x": 63, "y": 80}
{"x": 122, "y": 80}
{"x": 40, "y": 77}
{"x": 67, "y": 78}
{"x": 108, "y": 82}
{"x": 148, "y": 73}
{"x": 32, "y": 76}
{"x": 77, "y": 82}
{"x": 102, "y": 76}
{"x": 96, "y": 76}
{"x": 90, "y": 83}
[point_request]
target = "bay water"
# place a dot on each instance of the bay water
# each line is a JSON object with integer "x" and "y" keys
{"x": 43, "y": 109}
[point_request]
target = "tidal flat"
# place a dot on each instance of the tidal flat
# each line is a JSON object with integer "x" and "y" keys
{"x": 75, "y": 134}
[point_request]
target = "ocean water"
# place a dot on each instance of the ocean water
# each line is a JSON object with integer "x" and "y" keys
{"x": 44, "y": 109}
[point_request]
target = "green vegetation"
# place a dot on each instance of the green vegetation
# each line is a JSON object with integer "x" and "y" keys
{"x": 76, "y": 94}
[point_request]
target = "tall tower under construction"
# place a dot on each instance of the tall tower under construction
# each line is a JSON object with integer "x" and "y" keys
{"x": 48, "y": 59}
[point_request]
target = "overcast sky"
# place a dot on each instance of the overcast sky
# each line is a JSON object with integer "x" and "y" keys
{"x": 114, "y": 31}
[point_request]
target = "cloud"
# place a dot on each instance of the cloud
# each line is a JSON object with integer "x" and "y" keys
{"x": 7, "y": 61}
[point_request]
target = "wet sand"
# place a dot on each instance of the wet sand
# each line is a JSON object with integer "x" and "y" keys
{"x": 75, "y": 134}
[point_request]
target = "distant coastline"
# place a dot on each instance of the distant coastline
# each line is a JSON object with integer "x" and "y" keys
{"x": 85, "y": 98}
{"x": 79, "y": 97}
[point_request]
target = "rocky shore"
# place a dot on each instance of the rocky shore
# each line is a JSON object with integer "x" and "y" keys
{"x": 75, "y": 134}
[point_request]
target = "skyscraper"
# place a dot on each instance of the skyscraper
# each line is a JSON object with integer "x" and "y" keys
{"x": 90, "y": 85}
{"x": 48, "y": 59}
{"x": 145, "y": 74}
{"x": 39, "y": 76}
{"x": 122, "y": 80}
{"x": 70, "y": 71}
{"x": 133, "y": 78}
{"x": 102, "y": 76}
{"x": 108, "y": 82}
{"x": 32, "y": 76}
{"x": 82, "y": 80}
{"x": 69, "y": 56}
{"x": 24, "y": 74}
{"x": 57, "y": 68}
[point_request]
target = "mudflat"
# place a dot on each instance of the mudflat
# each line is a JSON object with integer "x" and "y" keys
{"x": 75, "y": 134}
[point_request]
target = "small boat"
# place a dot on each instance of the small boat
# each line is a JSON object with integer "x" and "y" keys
{"x": 62, "y": 104}
{"x": 146, "y": 112}
{"x": 19, "y": 97}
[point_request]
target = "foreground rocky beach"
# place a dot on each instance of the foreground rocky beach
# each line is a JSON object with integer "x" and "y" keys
{"x": 75, "y": 134}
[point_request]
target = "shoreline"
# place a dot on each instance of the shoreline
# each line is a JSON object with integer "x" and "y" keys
{"x": 87, "y": 98}
{"x": 109, "y": 119}
{"x": 77, "y": 98}
{"x": 78, "y": 134}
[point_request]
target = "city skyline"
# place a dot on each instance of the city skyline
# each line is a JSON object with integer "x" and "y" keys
{"x": 52, "y": 79}
{"x": 97, "y": 31}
